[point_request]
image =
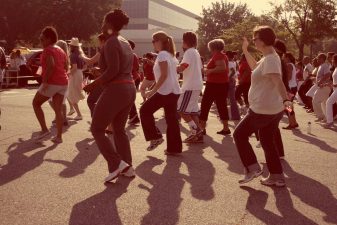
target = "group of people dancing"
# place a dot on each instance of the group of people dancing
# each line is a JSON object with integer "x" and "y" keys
{"x": 263, "y": 89}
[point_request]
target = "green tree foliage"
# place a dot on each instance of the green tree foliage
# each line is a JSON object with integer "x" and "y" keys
{"x": 220, "y": 16}
{"x": 306, "y": 20}
{"x": 23, "y": 20}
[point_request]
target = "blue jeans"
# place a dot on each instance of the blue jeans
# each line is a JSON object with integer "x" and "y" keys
{"x": 235, "y": 115}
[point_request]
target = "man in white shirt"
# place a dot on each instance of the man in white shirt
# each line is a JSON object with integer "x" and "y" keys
{"x": 188, "y": 103}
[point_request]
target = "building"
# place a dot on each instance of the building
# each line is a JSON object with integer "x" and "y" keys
{"x": 149, "y": 16}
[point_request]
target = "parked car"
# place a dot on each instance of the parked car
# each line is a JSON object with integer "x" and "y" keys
{"x": 33, "y": 63}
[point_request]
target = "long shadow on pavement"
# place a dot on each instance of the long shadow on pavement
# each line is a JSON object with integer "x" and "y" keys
{"x": 312, "y": 193}
{"x": 18, "y": 163}
{"x": 87, "y": 154}
{"x": 257, "y": 201}
{"x": 102, "y": 207}
{"x": 165, "y": 195}
{"x": 315, "y": 141}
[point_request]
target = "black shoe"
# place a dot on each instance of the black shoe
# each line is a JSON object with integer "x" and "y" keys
{"x": 224, "y": 132}
{"x": 289, "y": 127}
{"x": 172, "y": 153}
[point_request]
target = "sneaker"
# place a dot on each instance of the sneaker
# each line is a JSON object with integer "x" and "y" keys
{"x": 57, "y": 140}
{"x": 194, "y": 134}
{"x": 154, "y": 144}
{"x": 196, "y": 140}
{"x": 42, "y": 134}
{"x": 134, "y": 120}
{"x": 129, "y": 172}
{"x": 122, "y": 166}
{"x": 249, "y": 176}
{"x": 274, "y": 181}
{"x": 328, "y": 125}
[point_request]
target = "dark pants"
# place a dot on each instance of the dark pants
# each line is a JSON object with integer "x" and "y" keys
{"x": 133, "y": 111}
{"x": 305, "y": 87}
{"x": 267, "y": 125}
{"x": 242, "y": 90}
{"x": 235, "y": 114}
{"x": 214, "y": 93}
{"x": 112, "y": 109}
{"x": 151, "y": 132}
{"x": 93, "y": 98}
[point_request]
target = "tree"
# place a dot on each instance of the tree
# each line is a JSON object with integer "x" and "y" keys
{"x": 220, "y": 16}
{"x": 306, "y": 20}
{"x": 24, "y": 20}
{"x": 233, "y": 36}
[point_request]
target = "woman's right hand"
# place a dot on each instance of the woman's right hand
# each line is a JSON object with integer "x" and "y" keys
{"x": 245, "y": 44}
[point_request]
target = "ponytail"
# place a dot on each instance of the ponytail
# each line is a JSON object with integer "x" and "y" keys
{"x": 171, "y": 48}
{"x": 166, "y": 40}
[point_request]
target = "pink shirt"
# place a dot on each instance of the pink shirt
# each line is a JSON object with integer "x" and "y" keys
{"x": 59, "y": 76}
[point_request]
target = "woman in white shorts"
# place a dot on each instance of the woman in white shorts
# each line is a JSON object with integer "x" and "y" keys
{"x": 54, "y": 82}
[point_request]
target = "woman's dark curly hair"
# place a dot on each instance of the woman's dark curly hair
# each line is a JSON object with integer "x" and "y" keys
{"x": 117, "y": 19}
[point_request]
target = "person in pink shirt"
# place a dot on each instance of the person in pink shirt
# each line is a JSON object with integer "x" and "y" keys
{"x": 54, "y": 85}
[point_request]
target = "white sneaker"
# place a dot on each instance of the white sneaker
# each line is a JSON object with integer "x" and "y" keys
{"x": 250, "y": 176}
{"x": 130, "y": 172}
{"x": 122, "y": 166}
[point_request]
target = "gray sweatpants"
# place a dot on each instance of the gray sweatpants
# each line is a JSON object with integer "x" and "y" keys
{"x": 113, "y": 107}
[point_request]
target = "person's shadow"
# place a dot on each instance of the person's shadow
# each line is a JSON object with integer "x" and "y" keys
{"x": 257, "y": 201}
{"x": 102, "y": 207}
{"x": 18, "y": 163}
{"x": 87, "y": 154}
{"x": 312, "y": 193}
{"x": 165, "y": 195}
{"x": 315, "y": 141}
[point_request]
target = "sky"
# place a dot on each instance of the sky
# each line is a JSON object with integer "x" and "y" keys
{"x": 195, "y": 6}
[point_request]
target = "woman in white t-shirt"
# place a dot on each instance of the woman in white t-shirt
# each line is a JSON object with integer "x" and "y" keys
{"x": 333, "y": 97}
{"x": 267, "y": 100}
{"x": 165, "y": 95}
{"x": 289, "y": 59}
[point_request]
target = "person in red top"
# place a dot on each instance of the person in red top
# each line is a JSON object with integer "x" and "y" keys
{"x": 54, "y": 85}
{"x": 216, "y": 89}
{"x": 242, "y": 89}
{"x": 133, "y": 116}
{"x": 149, "y": 79}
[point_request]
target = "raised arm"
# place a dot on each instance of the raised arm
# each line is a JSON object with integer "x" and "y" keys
{"x": 250, "y": 59}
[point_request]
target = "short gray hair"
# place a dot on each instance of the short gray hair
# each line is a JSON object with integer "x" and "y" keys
{"x": 216, "y": 45}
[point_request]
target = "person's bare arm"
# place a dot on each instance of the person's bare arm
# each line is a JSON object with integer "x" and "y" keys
{"x": 163, "y": 76}
{"x": 277, "y": 80}
{"x": 93, "y": 60}
{"x": 250, "y": 59}
{"x": 220, "y": 66}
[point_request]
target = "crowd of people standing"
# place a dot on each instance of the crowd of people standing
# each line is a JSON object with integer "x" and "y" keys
{"x": 259, "y": 93}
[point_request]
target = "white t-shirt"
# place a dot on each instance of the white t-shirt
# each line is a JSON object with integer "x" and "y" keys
{"x": 293, "y": 81}
{"x": 307, "y": 70}
{"x": 171, "y": 84}
{"x": 322, "y": 70}
{"x": 192, "y": 77}
{"x": 232, "y": 65}
{"x": 264, "y": 97}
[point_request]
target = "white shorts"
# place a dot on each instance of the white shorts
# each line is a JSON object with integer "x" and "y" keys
{"x": 52, "y": 90}
{"x": 188, "y": 102}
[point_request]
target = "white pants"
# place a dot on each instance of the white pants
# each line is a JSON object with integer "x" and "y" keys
{"x": 319, "y": 101}
{"x": 329, "y": 106}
